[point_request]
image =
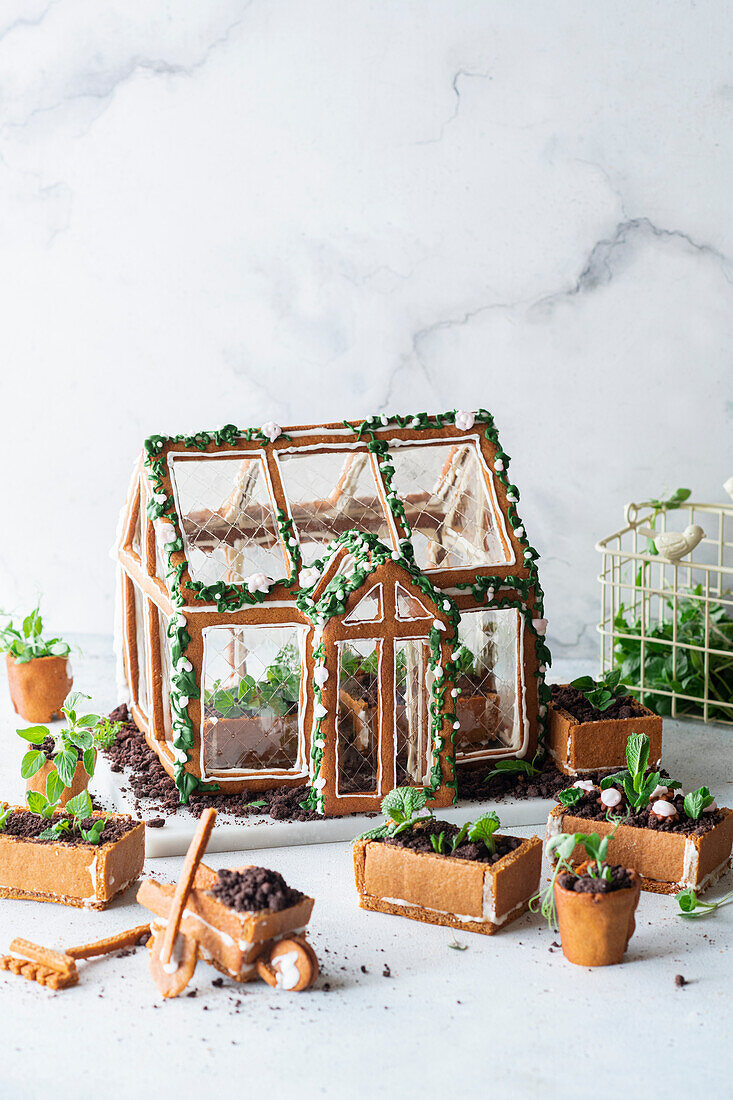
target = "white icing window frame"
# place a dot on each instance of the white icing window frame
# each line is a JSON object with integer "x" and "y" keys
{"x": 368, "y": 796}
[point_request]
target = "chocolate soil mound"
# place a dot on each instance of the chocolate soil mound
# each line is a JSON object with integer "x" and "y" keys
{"x": 620, "y": 879}
{"x": 418, "y": 840}
{"x": 255, "y": 889}
{"x": 590, "y": 808}
{"x": 575, "y": 703}
{"x": 28, "y": 826}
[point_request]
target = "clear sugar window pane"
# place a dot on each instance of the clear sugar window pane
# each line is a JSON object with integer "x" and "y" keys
{"x": 412, "y": 711}
{"x": 165, "y": 672}
{"x": 251, "y": 698}
{"x": 489, "y": 708}
{"x": 357, "y": 717}
{"x": 228, "y": 519}
{"x": 329, "y": 494}
{"x": 443, "y": 488}
{"x": 143, "y": 652}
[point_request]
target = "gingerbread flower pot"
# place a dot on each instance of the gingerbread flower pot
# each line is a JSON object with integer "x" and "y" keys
{"x": 582, "y": 739}
{"x": 38, "y": 687}
{"x": 79, "y": 783}
{"x": 595, "y": 928}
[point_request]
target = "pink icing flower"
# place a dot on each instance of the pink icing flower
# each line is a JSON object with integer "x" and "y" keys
{"x": 271, "y": 430}
{"x": 465, "y": 421}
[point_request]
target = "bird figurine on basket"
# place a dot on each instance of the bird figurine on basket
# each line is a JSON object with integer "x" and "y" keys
{"x": 674, "y": 545}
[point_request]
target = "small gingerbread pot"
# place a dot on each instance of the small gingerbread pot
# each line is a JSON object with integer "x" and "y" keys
{"x": 578, "y": 748}
{"x": 39, "y": 687}
{"x": 79, "y": 783}
{"x": 595, "y": 929}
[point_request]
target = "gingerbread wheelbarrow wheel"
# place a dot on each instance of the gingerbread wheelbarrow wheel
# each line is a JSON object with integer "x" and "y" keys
{"x": 291, "y": 965}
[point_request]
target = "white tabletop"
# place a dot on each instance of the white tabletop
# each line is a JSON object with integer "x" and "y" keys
{"x": 507, "y": 1017}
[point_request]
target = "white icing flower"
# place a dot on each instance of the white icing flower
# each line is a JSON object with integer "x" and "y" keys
{"x": 320, "y": 675}
{"x": 540, "y": 625}
{"x": 543, "y": 669}
{"x": 308, "y": 577}
{"x": 395, "y": 555}
{"x": 319, "y": 783}
{"x": 160, "y": 498}
{"x": 528, "y": 553}
{"x": 465, "y": 421}
{"x": 663, "y": 809}
{"x": 438, "y": 625}
{"x": 519, "y": 532}
{"x": 385, "y": 420}
{"x": 489, "y": 593}
{"x": 456, "y": 725}
{"x": 183, "y": 701}
{"x": 184, "y": 665}
{"x": 542, "y": 710}
{"x": 584, "y": 784}
{"x": 319, "y": 743}
{"x": 319, "y": 711}
{"x": 180, "y": 619}
{"x": 512, "y": 498}
{"x": 498, "y": 465}
{"x": 271, "y": 430}
{"x": 610, "y": 797}
{"x": 258, "y": 582}
{"x": 454, "y": 693}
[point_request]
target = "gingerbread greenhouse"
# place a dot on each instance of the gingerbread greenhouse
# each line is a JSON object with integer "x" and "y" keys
{"x": 351, "y": 606}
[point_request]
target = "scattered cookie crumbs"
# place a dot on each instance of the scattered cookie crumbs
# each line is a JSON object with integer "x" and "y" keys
{"x": 386, "y": 973}
{"x": 680, "y": 980}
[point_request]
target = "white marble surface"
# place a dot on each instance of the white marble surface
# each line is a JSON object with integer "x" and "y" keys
{"x": 507, "y": 1017}
{"x": 242, "y": 210}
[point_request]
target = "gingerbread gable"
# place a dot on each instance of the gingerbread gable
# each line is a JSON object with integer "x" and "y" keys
{"x": 235, "y": 549}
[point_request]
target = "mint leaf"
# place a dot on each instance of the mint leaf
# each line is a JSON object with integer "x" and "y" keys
{"x": 571, "y": 796}
{"x": 89, "y": 760}
{"x": 403, "y": 803}
{"x": 637, "y": 753}
{"x": 36, "y": 802}
{"x": 32, "y": 763}
{"x": 611, "y": 780}
{"x": 34, "y": 734}
{"x": 483, "y": 829}
{"x": 80, "y": 806}
{"x": 696, "y": 801}
{"x": 66, "y": 762}
{"x": 54, "y": 786}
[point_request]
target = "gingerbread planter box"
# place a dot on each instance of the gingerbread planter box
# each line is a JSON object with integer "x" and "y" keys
{"x": 349, "y": 606}
{"x": 74, "y": 873}
{"x": 667, "y": 861}
{"x": 579, "y": 747}
{"x": 442, "y": 889}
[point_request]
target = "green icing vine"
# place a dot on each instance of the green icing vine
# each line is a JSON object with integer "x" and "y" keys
{"x": 369, "y": 553}
{"x": 228, "y": 436}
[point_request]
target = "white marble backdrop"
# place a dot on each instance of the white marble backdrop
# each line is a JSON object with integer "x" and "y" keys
{"x": 238, "y": 210}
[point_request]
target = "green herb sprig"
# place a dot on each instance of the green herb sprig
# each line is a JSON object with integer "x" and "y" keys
{"x": 691, "y": 906}
{"x": 601, "y": 693}
{"x": 402, "y": 806}
{"x": 84, "y": 734}
{"x": 637, "y": 782}
{"x": 26, "y": 642}
{"x": 514, "y": 767}
{"x": 77, "y": 810}
{"x": 562, "y": 847}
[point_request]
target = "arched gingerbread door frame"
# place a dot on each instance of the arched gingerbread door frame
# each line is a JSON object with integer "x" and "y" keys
{"x": 386, "y": 632}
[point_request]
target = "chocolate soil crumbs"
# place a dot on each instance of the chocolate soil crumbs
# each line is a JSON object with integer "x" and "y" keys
{"x": 254, "y": 889}
{"x": 620, "y": 879}
{"x": 591, "y": 808}
{"x": 575, "y": 703}
{"x": 417, "y": 839}
{"x": 28, "y": 826}
{"x": 149, "y": 780}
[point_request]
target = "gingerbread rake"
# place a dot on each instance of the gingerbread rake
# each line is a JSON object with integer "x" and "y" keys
{"x": 247, "y": 923}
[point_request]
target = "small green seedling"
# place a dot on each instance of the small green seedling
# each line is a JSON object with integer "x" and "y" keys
{"x": 5, "y": 812}
{"x": 638, "y": 783}
{"x": 44, "y": 805}
{"x": 601, "y": 693}
{"x": 78, "y": 809}
{"x": 562, "y": 847}
{"x": 513, "y": 767}
{"x": 696, "y": 802}
{"x": 483, "y": 829}
{"x": 692, "y": 907}
{"x": 438, "y": 842}
{"x": 571, "y": 796}
{"x": 402, "y": 806}
{"x": 83, "y": 735}
{"x": 26, "y": 642}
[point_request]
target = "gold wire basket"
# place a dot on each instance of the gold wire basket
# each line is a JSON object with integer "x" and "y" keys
{"x": 669, "y": 626}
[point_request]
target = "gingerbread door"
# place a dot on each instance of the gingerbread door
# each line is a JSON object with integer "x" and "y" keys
{"x": 384, "y": 721}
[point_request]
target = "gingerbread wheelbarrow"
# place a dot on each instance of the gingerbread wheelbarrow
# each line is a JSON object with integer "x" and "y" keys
{"x": 191, "y": 923}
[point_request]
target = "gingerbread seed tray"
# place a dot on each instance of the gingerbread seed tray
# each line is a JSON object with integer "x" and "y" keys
{"x": 87, "y": 876}
{"x": 439, "y": 889}
{"x": 578, "y": 748}
{"x": 667, "y": 862}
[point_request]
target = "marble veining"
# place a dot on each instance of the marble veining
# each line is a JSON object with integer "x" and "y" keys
{"x": 246, "y": 211}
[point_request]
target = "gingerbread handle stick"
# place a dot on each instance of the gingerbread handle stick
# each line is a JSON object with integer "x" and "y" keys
{"x": 194, "y": 856}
